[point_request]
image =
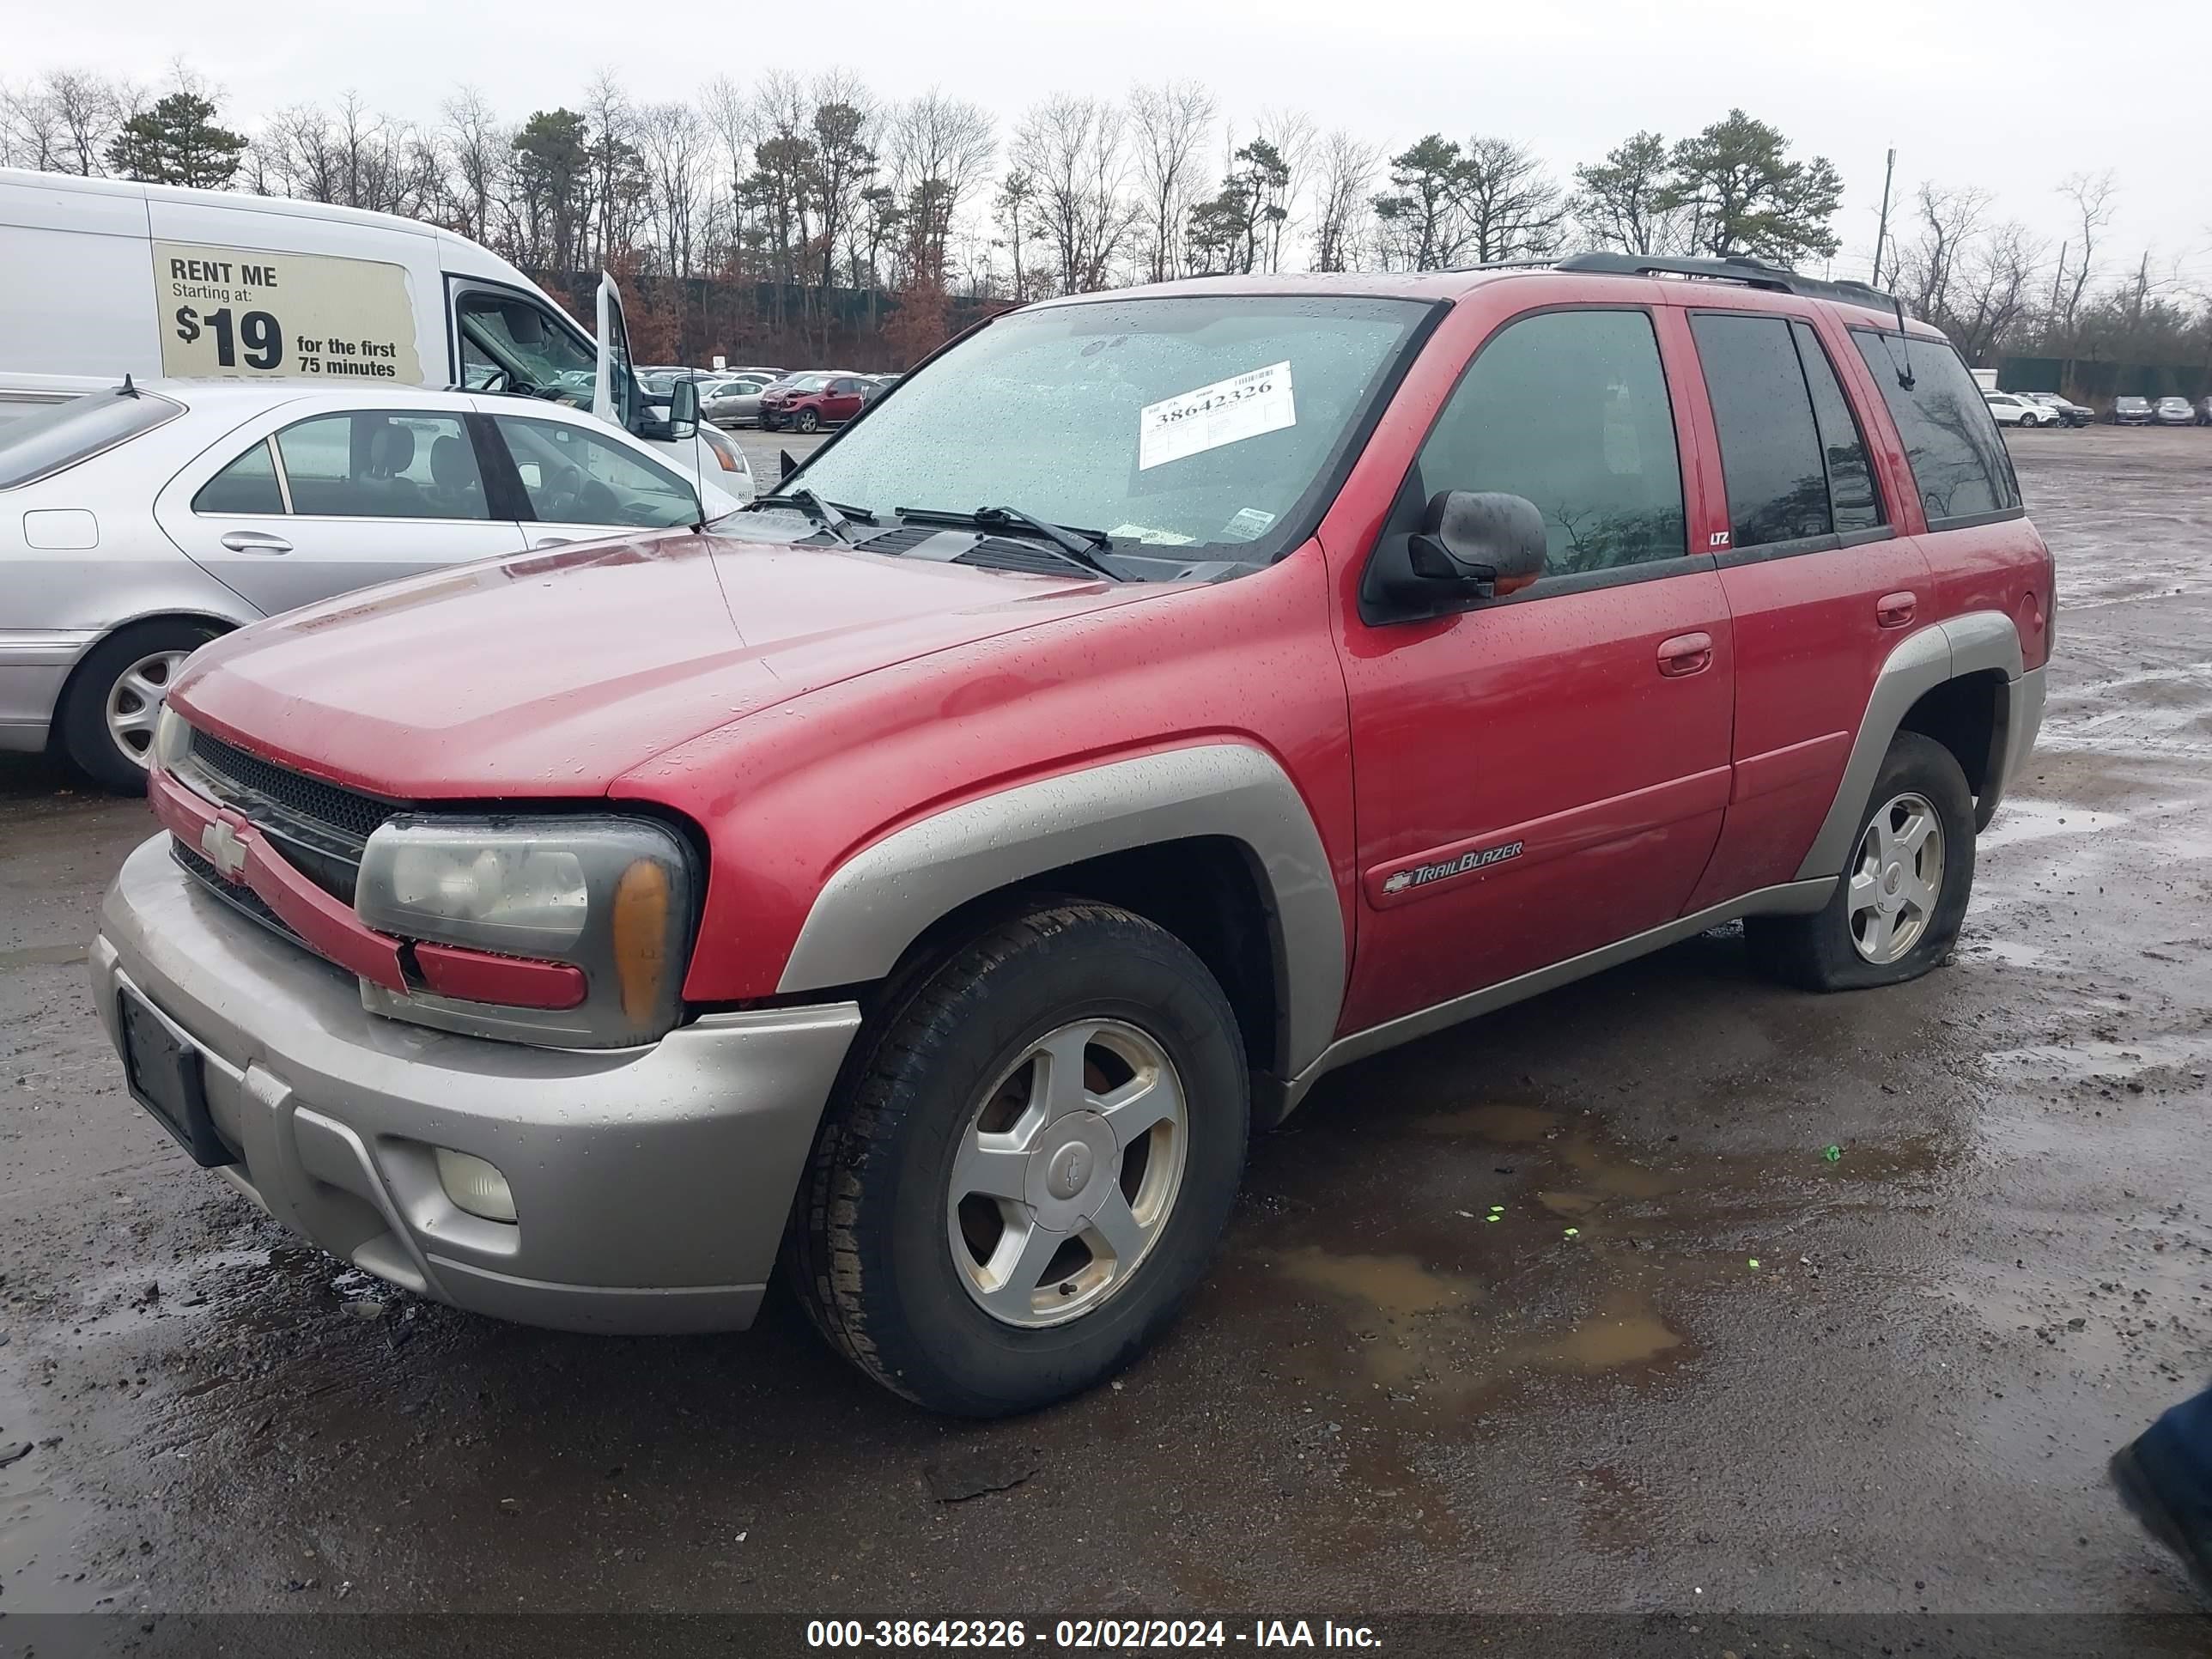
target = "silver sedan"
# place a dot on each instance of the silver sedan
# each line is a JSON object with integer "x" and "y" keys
{"x": 736, "y": 401}
{"x": 136, "y": 523}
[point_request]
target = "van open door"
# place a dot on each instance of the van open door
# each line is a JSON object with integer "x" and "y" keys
{"x": 614, "y": 393}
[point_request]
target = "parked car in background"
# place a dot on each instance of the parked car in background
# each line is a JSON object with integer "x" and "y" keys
{"x": 2131, "y": 411}
{"x": 908, "y": 893}
{"x": 734, "y": 401}
{"x": 2204, "y": 411}
{"x": 807, "y": 403}
{"x": 2174, "y": 412}
{"x": 136, "y": 525}
{"x": 2010, "y": 409}
{"x": 2072, "y": 414}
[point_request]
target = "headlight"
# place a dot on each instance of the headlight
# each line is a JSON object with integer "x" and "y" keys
{"x": 173, "y": 739}
{"x": 612, "y": 897}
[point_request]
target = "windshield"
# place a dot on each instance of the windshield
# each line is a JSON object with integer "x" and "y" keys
{"x": 806, "y": 382}
{"x": 43, "y": 442}
{"x": 1168, "y": 422}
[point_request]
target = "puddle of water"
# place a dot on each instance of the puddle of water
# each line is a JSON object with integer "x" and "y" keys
{"x": 1625, "y": 1330}
{"x": 1410, "y": 1300}
{"x": 2036, "y": 820}
{"x": 1515, "y": 1125}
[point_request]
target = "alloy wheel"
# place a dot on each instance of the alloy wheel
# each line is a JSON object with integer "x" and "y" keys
{"x": 1896, "y": 880}
{"x": 1067, "y": 1172}
{"x": 134, "y": 703}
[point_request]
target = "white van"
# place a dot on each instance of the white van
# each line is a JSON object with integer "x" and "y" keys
{"x": 106, "y": 278}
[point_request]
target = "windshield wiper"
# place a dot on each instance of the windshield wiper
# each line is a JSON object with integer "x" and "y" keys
{"x": 830, "y": 515}
{"x": 1081, "y": 547}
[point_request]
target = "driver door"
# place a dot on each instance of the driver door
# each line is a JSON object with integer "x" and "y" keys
{"x": 580, "y": 486}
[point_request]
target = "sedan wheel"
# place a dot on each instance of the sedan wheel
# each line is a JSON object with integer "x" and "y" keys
{"x": 133, "y": 703}
{"x": 106, "y": 718}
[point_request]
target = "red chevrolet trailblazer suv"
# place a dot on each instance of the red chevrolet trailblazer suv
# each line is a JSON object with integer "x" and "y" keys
{"x": 924, "y": 877}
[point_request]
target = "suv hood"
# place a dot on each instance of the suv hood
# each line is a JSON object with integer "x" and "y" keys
{"x": 552, "y": 674}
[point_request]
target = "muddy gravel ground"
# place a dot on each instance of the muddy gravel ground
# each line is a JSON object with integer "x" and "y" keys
{"x": 1696, "y": 1364}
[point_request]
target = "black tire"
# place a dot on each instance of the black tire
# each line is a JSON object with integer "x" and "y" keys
{"x": 809, "y": 421}
{"x": 82, "y": 723}
{"x": 867, "y": 1250}
{"x": 1819, "y": 951}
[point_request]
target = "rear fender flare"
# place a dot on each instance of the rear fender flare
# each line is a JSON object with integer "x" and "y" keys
{"x": 882, "y": 898}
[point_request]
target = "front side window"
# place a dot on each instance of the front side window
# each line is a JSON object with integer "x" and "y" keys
{"x": 575, "y": 477}
{"x": 1569, "y": 409}
{"x": 248, "y": 485}
{"x": 509, "y": 343}
{"x": 382, "y": 464}
{"x": 1959, "y": 461}
{"x": 1168, "y": 422}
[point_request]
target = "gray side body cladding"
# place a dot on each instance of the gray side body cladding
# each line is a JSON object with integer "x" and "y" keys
{"x": 882, "y": 899}
{"x": 1981, "y": 642}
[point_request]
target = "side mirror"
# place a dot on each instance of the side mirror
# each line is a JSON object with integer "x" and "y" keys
{"x": 684, "y": 410}
{"x": 790, "y": 466}
{"x": 1473, "y": 545}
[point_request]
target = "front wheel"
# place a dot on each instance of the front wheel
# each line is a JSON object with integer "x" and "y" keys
{"x": 1029, "y": 1165}
{"x": 1895, "y": 914}
{"x": 809, "y": 421}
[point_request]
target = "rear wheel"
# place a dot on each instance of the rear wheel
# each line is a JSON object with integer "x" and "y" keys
{"x": 1028, "y": 1165}
{"x": 1895, "y": 914}
{"x": 108, "y": 714}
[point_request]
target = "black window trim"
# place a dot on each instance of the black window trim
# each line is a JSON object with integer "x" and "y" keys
{"x": 1954, "y": 521}
{"x": 1567, "y": 582}
{"x": 267, "y": 444}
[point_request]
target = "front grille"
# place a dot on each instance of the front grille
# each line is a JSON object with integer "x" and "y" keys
{"x": 243, "y": 900}
{"x": 245, "y": 781}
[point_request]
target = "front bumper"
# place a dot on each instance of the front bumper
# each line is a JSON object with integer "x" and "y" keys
{"x": 650, "y": 1185}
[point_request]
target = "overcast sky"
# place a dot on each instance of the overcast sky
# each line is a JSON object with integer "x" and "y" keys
{"x": 2012, "y": 95}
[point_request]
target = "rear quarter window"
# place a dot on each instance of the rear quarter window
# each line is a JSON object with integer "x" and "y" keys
{"x": 1959, "y": 461}
{"x": 46, "y": 440}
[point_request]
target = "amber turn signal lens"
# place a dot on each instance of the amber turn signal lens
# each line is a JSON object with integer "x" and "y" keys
{"x": 640, "y": 936}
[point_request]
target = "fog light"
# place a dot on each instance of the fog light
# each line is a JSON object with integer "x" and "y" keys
{"x": 475, "y": 1186}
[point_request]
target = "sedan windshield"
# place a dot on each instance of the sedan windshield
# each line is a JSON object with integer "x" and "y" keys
{"x": 1207, "y": 421}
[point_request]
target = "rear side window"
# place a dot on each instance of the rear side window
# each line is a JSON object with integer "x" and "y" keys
{"x": 1569, "y": 409}
{"x": 248, "y": 485}
{"x": 1853, "y": 501}
{"x": 1959, "y": 461}
{"x": 43, "y": 442}
{"x": 382, "y": 465}
{"x": 1777, "y": 483}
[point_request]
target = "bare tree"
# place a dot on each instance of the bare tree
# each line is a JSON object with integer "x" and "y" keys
{"x": 940, "y": 151}
{"x": 2091, "y": 194}
{"x": 1950, "y": 219}
{"x": 1344, "y": 176}
{"x": 1290, "y": 135}
{"x": 1992, "y": 284}
{"x": 1073, "y": 148}
{"x": 1015, "y": 209}
{"x": 478, "y": 149}
{"x": 1513, "y": 209}
{"x": 63, "y": 122}
{"x": 1170, "y": 124}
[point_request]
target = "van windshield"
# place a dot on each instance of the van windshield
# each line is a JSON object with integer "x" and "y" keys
{"x": 42, "y": 443}
{"x": 1168, "y": 422}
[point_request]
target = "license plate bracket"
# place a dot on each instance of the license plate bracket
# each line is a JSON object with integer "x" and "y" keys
{"x": 167, "y": 1078}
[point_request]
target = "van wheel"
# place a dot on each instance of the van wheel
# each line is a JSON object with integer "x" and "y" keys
{"x": 108, "y": 714}
{"x": 1896, "y": 910}
{"x": 1029, "y": 1165}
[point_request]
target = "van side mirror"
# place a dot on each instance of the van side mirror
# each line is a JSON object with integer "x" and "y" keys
{"x": 1473, "y": 545}
{"x": 684, "y": 410}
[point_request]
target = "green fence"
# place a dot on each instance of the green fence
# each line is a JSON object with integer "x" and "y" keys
{"x": 2098, "y": 383}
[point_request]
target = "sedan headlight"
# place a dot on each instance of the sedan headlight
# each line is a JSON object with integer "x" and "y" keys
{"x": 612, "y": 897}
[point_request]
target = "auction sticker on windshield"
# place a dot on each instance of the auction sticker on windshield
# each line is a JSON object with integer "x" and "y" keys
{"x": 239, "y": 313}
{"x": 1226, "y": 412}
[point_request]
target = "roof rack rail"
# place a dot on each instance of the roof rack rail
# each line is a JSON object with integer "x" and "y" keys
{"x": 1736, "y": 268}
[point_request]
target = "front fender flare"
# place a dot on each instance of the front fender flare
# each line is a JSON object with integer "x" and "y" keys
{"x": 882, "y": 898}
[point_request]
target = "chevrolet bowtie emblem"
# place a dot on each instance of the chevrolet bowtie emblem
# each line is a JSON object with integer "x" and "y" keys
{"x": 224, "y": 849}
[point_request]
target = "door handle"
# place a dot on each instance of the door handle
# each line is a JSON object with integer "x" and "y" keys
{"x": 1895, "y": 610}
{"x": 255, "y": 541}
{"x": 551, "y": 541}
{"x": 1686, "y": 654}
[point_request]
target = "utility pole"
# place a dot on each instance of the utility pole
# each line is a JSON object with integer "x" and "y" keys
{"x": 1881, "y": 230}
{"x": 2057, "y": 278}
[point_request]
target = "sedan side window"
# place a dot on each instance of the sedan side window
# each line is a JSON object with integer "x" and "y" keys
{"x": 382, "y": 464}
{"x": 1570, "y": 408}
{"x": 247, "y": 487}
{"x": 575, "y": 477}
